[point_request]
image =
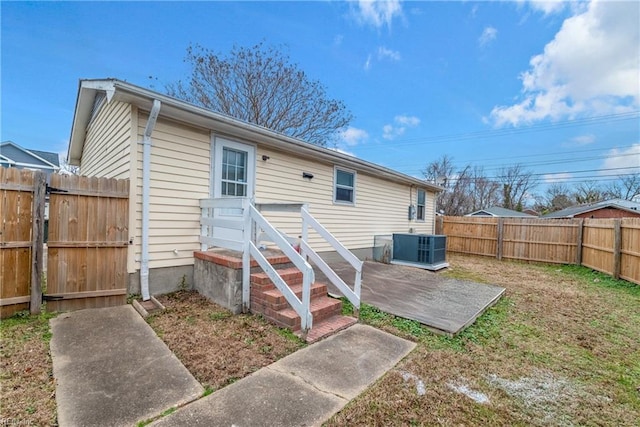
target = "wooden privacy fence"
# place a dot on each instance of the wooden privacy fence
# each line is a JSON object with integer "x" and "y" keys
{"x": 87, "y": 242}
{"x": 21, "y": 228}
{"x": 611, "y": 246}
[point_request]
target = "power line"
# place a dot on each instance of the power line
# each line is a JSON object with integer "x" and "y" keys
{"x": 490, "y": 133}
{"x": 539, "y": 163}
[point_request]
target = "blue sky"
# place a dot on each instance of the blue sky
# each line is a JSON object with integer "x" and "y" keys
{"x": 552, "y": 85}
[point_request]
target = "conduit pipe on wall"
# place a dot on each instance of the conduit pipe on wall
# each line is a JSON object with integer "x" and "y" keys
{"x": 146, "y": 184}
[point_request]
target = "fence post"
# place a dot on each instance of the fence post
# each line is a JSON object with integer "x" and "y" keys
{"x": 500, "y": 230}
{"x": 37, "y": 236}
{"x": 617, "y": 245}
{"x": 439, "y": 225}
{"x": 579, "y": 242}
{"x": 247, "y": 235}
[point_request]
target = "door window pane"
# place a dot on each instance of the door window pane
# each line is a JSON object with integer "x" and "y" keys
{"x": 234, "y": 172}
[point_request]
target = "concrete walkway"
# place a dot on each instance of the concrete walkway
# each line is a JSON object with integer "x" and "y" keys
{"x": 112, "y": 370}
{"x": 305, "y": 388}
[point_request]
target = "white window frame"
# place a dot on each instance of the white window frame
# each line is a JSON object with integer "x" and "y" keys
{"x": 335, "y": 186}
{"x": 424, "y": 206}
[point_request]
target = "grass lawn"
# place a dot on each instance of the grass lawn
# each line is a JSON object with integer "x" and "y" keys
{"x": 561, "y": 348}
{"x": 27, "y": 387}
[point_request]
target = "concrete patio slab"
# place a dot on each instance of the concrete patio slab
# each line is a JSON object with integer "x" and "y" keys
{"x": 111, "y": 369}
{"x": 305, "y": 388}
{"x": 443, "y": 305}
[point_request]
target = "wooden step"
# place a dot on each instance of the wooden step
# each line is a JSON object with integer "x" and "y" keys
{"x": 327, "y": 327}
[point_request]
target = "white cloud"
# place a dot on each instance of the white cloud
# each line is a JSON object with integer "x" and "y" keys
{"x": 384, "y": 53}
{"x": 590, "y": 68}
{"x": 584, "y": 139}
{"x": 411, "y": 121}
{"x": 547, "y": 6}
{"x": 629, "y": 158}
{"x": 474, "y": 11}
{"x": 367, "y": 63}
{"x": 337, "y": 40}
{"x": 556, "y": 177}
{"x": 399, "y": 126}
{"x": 377, "y": 13}
{"x": 488, "y": 35}
{"x": 353, "y": 136}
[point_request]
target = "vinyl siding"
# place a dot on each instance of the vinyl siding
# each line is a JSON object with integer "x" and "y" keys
{"x": 381, "y": 206}
{"x": 107, "y": 146}
{"x": 179, "y": 179}
{"x": 180, "y": 165}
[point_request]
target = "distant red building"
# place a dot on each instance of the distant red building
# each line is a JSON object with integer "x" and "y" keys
{"x": 606, "y": 209}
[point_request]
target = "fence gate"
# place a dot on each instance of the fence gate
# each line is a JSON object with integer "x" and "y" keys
{"x": 87, "y": 243}
{"x": 17, "y": 247}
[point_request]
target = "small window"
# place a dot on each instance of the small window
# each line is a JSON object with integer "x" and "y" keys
{"x": 421, "y": 205}
{"x": 345, "y": 185}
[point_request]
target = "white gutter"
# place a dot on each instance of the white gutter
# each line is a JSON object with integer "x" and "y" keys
{"x": 146, "y": 171}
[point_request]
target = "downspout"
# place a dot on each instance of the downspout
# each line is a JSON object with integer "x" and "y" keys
{"x": 146, "y": 184}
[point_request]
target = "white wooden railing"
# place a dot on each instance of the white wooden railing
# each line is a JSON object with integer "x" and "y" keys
{"x": 238, "y": 223}
{"x": 352, "y": 295}
{"x": 236, "y": 228}
{"x": 302, "y": 307}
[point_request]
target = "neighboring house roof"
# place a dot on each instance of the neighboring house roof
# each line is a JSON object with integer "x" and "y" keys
{"x": 52, "y": 158}
{"x": 581, "y": 209}
{"x": 629, "y": 204}
{"x": 497, "y": 211}
{"x": 15, "y": 155}
{"x": 188, "y": 113}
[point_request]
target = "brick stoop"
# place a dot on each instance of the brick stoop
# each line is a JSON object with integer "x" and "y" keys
{"x": 268, "y": 301}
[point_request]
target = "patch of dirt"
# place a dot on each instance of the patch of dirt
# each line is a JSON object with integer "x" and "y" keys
{"x": 546, "y": 394}
{"x": 216, "y": 346}
{"x": 27, "y": 386}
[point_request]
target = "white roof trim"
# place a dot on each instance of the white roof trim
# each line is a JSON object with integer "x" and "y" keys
{"x": 182, "y": 111}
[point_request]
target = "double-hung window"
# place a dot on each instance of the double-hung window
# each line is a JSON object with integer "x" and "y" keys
{"x": 422, "y": 197}
{"x": 344, "y": 186}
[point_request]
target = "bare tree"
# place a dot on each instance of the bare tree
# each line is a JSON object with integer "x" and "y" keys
{"x": 66, "y": 168}
{"x": 259, "y": 85}
{"x": 485, "y": 192}
{"x": 626, "y": 187}
{"x": 588, "y": 192}
{"x": 517, "y": 185}
{"x": 466, "y": 188}
{"x": 558, "y": 197}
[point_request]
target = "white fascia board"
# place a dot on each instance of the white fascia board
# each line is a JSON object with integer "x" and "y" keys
{"x": 7, "y": 160}
{"x": 179, "y": 110}
{"x": 84, "y": 103}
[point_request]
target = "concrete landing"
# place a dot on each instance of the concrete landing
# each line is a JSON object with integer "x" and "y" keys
{"x": 305, "y": 388}
{"x": 444, "y": 305}
{"x": 112, "y": 370}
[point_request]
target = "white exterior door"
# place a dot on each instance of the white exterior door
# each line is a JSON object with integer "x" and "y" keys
{"x": 234, "y": 169}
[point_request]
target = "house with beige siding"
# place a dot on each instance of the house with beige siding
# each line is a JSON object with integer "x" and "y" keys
{"x": 176, "y": 154}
